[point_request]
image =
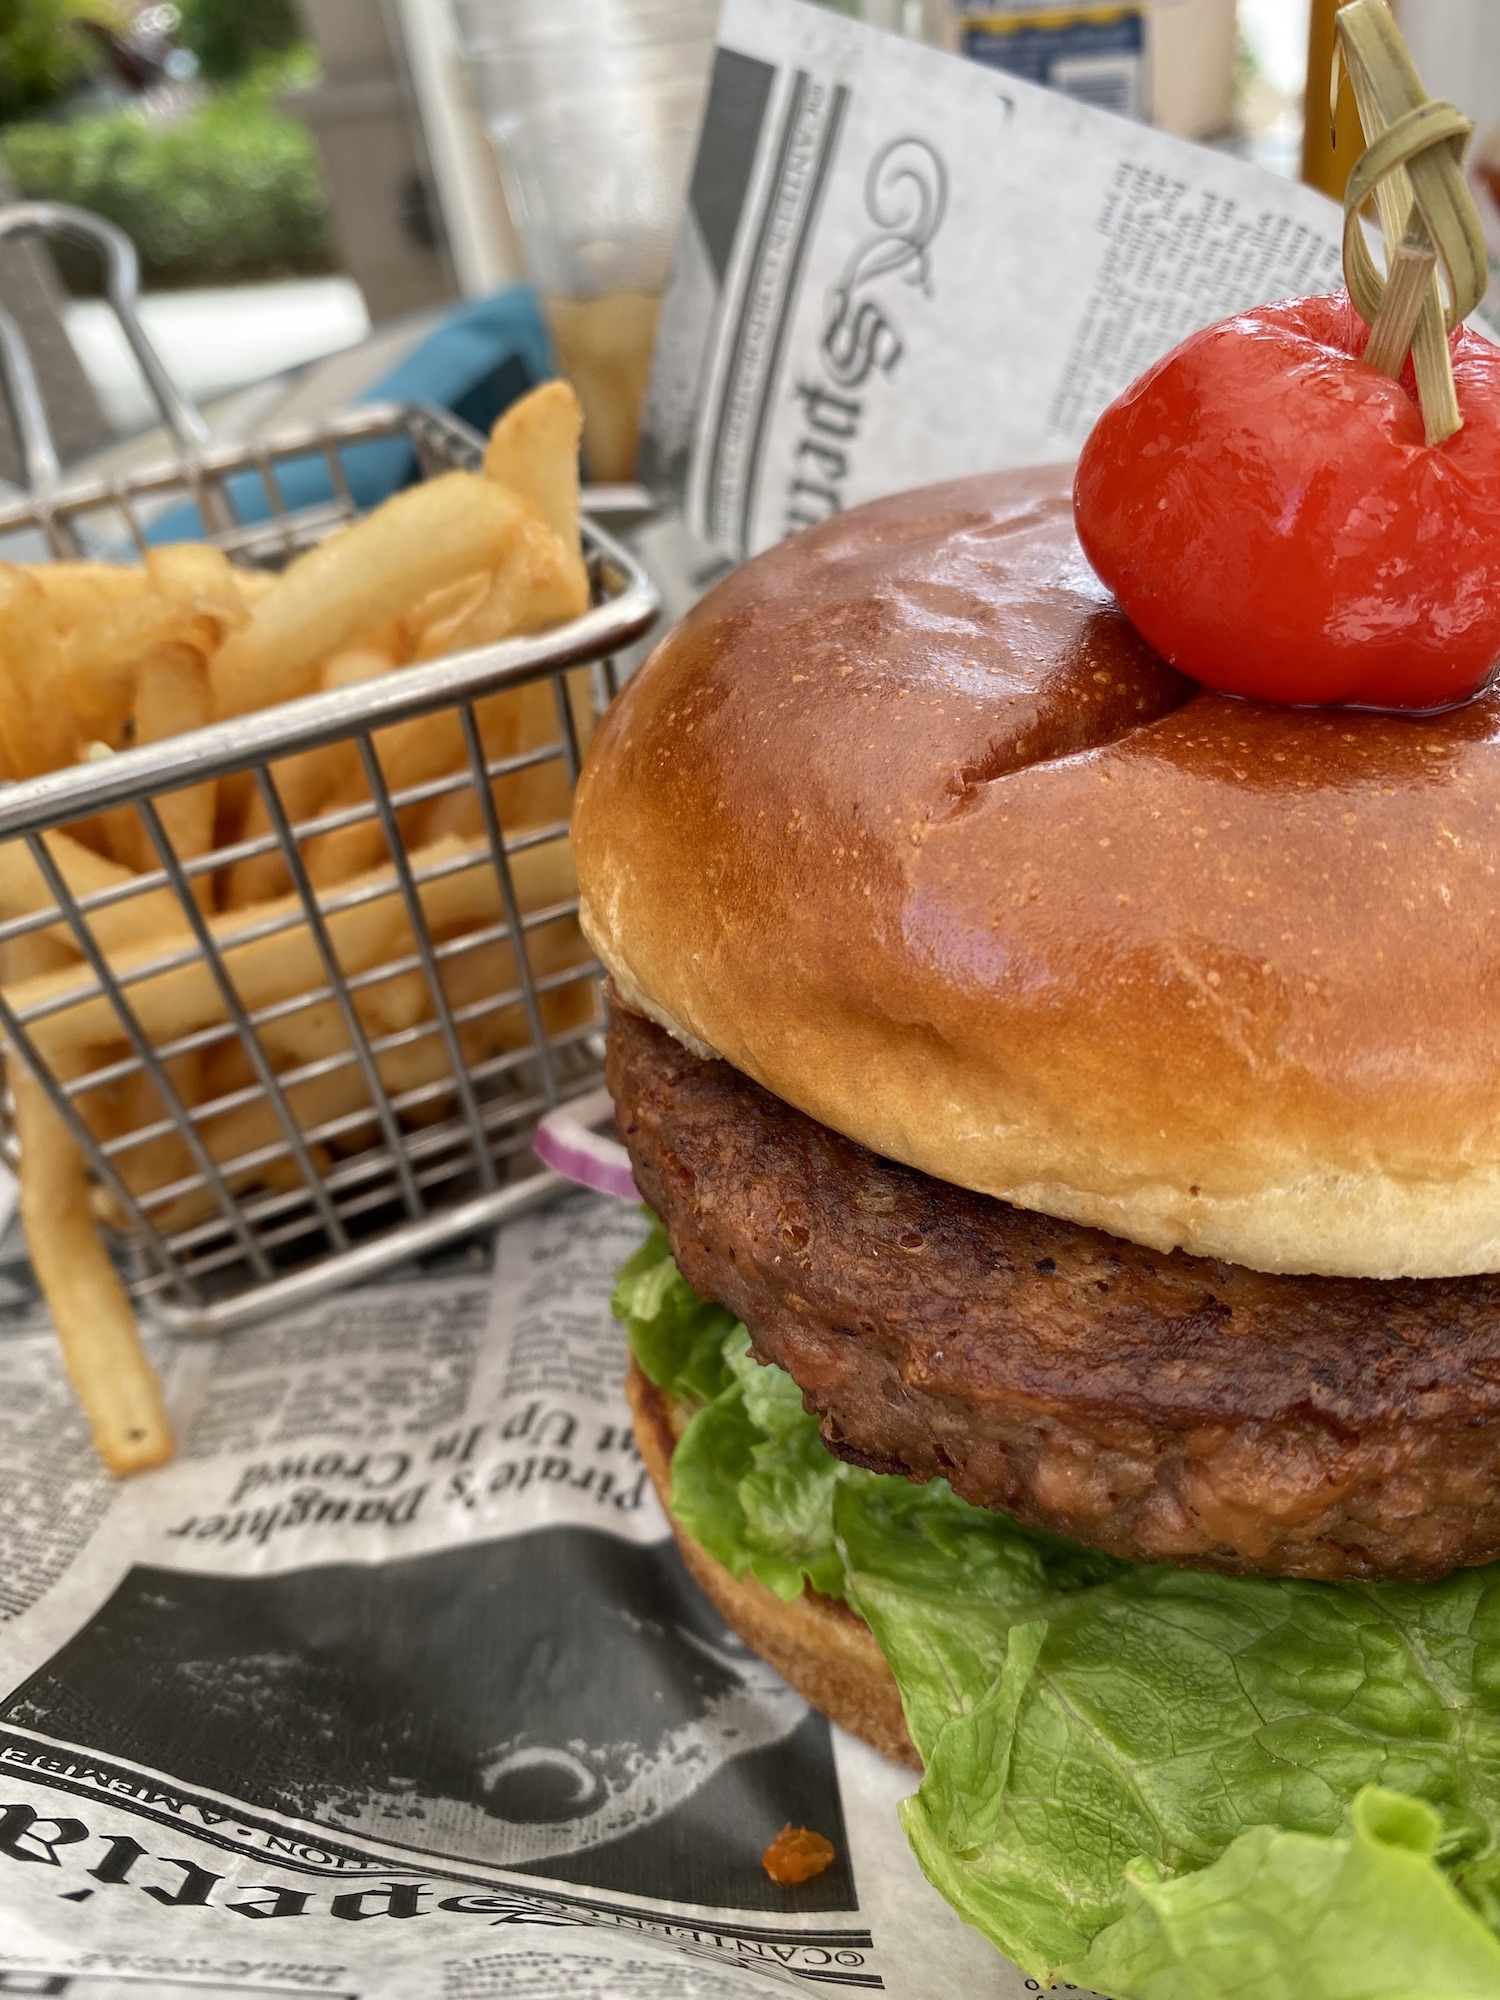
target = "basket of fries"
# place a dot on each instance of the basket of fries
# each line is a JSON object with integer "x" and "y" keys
{"x": 289, "y": 955}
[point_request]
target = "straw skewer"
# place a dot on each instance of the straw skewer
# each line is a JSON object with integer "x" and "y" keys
{"x": 1412, "y": 168}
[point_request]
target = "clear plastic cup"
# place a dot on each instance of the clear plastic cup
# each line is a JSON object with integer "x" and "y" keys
{"x": 593, "y": 107}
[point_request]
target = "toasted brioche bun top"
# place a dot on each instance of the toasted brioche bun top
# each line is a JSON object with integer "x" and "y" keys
{"x": 907, "y": 823}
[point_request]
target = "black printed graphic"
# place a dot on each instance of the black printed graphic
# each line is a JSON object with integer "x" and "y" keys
{"x": 806, "y": 148}
{"x": 906, "y": 198}
{"x": 738, "y": 95}
{"x": 116, "y": 1985}
{"x": 563, "y": 1704}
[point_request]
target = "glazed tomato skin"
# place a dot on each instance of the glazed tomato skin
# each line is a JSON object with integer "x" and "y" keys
{"x": 1265, "y": 508}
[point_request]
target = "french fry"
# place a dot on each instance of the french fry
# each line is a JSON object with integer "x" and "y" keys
{"x": 36, "y": 726}
{"x": 236, "y": 790}
{"x": 312, "y": 779}
{"x": 311, "y": 1034}
{"x": 103, "y": 656}
{"x": 152, "y": 915}
{"x": 526, "y": 720}
{"x": 136, "y": 1104}
{"x": 402, "y": 1002}
{"x": 486, "y": 970}
{"x": 96, "y": 1329}
{"x": 516, "y": 720}
{"x": 164, "y": 1159}
{"x": 443, "y": 609}
{"x": 94, "y": 657}
{"x": 198, "y": 573}
{"x": 454, "y": 816}
{"x": 393, "y": 638}
{"x": 375, "y": 570}
{"x": 540, "y": 584}
{"x": 410, "y": 753}
{"x": 533, "y": 450}
{"x": 252, "y": 584}
{"x": 366, "y": 660}
{"x": 436, "y": 641}
{"x": 441, "y": 615}
{"x": 236, "y": 1137}
{"x": 172, "y": 698}
{"x": 79, "y": 590}
{"x": 267, "y": 968}
{"x": 429, "y": 746}
{"x": 270, "y": 1176}
{"x": 337, "y": 1094}
{"x": 153, "y": 1165}
{"x": 308, "y": 783}
{"x": 276, "y": 967}
{"x": 33, "y": 956}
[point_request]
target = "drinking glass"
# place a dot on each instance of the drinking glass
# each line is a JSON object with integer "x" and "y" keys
{"x": 593, "y": 108}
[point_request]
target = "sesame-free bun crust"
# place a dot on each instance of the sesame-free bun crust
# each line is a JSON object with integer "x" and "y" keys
{"x": 907, "y": 823}
{"x": 817, "y": 1645}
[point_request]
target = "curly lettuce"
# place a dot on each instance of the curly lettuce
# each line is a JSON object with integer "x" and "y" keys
{"x": 1156, "y": 1783}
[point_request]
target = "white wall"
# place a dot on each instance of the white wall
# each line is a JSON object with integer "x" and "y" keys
{"x": 1456, "y": 46}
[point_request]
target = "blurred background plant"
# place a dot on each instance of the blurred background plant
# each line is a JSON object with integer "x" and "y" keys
{"x": 229, "y": 37}
{"x": 42, "y": 55}
{"x": 165, "y": 119}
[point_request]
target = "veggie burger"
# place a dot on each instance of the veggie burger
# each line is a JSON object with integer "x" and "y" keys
{"x": 1070, "y": 1347}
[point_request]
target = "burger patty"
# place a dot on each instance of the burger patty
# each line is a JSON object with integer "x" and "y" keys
{"x": 1162, "y": 1408}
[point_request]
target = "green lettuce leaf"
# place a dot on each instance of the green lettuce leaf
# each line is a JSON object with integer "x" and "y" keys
{"x": 752, "y": 1481}
{"x": 1129, "y": 1768}
{"x": 677, "y": 1339}
{"x": 1159, "y": 1715}
{"x": 1294, "y": 1916}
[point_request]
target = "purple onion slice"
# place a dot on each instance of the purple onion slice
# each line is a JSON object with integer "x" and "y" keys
{"x": 566, "y": 1141}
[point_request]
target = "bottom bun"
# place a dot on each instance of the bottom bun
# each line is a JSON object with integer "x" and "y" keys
{"x": 815, "y": 1643}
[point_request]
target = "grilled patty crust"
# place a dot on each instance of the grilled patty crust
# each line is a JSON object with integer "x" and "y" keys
{"x": 1164, "y": 1408}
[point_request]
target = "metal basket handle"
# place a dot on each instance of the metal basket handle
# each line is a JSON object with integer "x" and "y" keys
{"x": 122, "y": 283}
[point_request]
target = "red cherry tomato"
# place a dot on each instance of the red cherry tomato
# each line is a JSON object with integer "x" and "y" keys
{"x": 1265, "y": 508}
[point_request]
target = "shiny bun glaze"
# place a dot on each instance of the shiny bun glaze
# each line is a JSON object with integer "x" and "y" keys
{"x": 907, "y": 823}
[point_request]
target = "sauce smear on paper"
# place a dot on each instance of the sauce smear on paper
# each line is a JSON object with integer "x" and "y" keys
{"x": 796, "y": 1855}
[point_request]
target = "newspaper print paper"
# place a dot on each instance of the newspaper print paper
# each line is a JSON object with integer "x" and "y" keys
{"x": 897, "y": 266}
{"x": 394, "y": 1686}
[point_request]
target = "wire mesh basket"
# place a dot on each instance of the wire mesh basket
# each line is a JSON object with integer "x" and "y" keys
{"x": 280, "y": 1100}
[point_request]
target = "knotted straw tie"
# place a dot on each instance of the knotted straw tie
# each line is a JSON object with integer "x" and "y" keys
{"x": 1413, "y": 169}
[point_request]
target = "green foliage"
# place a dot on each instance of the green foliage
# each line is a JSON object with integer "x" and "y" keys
{"x": 1160, "y": 1784}
{"x": 42, "y": 55}
{"x": 230, "y": 37}
{"x": 235, "y": 190}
